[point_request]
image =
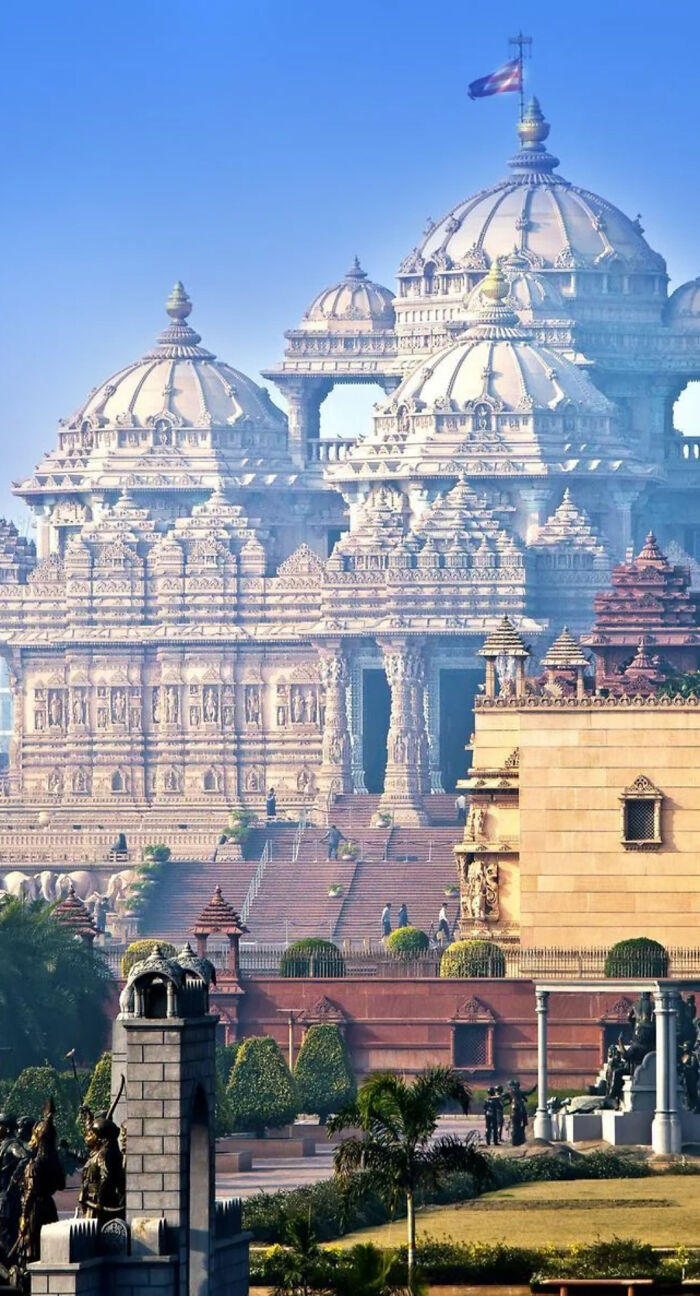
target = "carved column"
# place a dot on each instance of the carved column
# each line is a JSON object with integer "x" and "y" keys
{"x": 624, "y": 501}
{"x": 407, "y": 740}
{"x": 335, "y": 774}
{"x": 431, "y": 703}
{"x": 304, "y": 398}
{"x": 534, "y": 500}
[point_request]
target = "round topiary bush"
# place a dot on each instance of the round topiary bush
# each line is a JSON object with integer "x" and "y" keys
{"x": 473, "y": 958}
{"x": 312, "y": 958}
{"x": 639, "y": 957}
{"x": 141, "y": 949}
{"x": 407, "y": 942}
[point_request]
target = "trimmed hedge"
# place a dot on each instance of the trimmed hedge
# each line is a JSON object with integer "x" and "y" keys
{"x": 407, "y": 942}
{"x": 261, "y": 1092}
{"x": 639, "y": 957}
{"x": 141, "y": 949}
{"x": 473, "y": 958}
{"x": 312, "y": 958}
{"x": 99, "y": 1094}
{"x": 34, "y": 1086}
{"x": 322, "y": 1074}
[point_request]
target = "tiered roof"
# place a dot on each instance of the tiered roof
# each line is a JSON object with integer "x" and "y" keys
{"x": 73, "y": 914}
{"x": 504, "y": 639}
{"x": 219, "y": 916}
{"x": 570, "y": 527}
{"x": 565, "y": 653}
{"x": 649, "y": 595}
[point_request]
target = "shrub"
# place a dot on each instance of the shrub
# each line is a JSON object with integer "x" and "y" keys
{"x": 158, "y": 852}
{"x": 640, "y": 957}
{"x": 260, "y": 1091}
{"x": 323, "y": 1074}
{"x": 312, "y": 958}
{"x": 407, "y": 942}
{"x": 473, "y": 958}
{"x": 34, "y": 1086}
{"x": 141, "y": 949}
{"x": 238, "y": 828}
{"x": 618, "y": 1258}
{"x": 225, "y": 1058}
{"x": 99, "y": 1093}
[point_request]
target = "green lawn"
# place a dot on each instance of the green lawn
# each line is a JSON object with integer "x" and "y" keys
{"x": 663, "y": 1210}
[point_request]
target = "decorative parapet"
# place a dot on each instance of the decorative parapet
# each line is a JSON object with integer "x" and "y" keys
{"x": 535, "y": 701}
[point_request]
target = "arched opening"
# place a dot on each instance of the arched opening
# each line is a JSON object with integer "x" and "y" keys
{"x": 117, "y": 781}
{"x": 209, "y": 781}
{"x": 686, "y": 411}
{"x": 346, "y": 413}
{"x": 200, "y": 1193}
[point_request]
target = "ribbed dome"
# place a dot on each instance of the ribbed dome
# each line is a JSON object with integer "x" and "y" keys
{"x": 553, "y": 223}
{"x": 179, "y": 382}
{"x": 354, "y": 304}
{"x": 683, "y": 310}
{"x": 534, "y": 296}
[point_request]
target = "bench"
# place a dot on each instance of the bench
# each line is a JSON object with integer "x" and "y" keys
{"x": 565, "y": 1286}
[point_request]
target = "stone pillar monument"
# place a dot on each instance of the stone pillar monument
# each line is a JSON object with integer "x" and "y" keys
{"x": 335, "y": 774}
{"x": 407, "y": 741}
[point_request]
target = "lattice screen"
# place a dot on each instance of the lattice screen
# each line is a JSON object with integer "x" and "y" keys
{"x": 639, "y": 819}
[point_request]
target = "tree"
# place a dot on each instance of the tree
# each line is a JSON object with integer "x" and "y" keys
{"x": 141, "y": 949}
{"x": 261, "y": 1089}
{"x": 323, "y": 1075}
{"x": 99, "y": 1093}
{"x": 639, "y": 957}
{"x": 304, "y": 1268}
{"x": 397, "y": 1151}
{"x": 312, "y": 957}
{"x": 54, "y": 990}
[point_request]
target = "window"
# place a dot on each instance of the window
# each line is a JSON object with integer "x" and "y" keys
{"x": 641, "y": 815}
{"x": 471, "y": 1046}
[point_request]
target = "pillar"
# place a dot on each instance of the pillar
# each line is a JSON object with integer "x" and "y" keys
{"x": 624, "y": 501}
{"x": 304, "y": 397}
{"x": 406, "y": 742}
{"x": 534, "y": 500}
{"x": 665, "y": 1127}
{"x": 543, "y": 1120}
{"x": 490, "y": 689}
{"x": 335, "y": 774}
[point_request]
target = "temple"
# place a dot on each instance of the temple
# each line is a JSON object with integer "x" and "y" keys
{"x": 222, "y": 598}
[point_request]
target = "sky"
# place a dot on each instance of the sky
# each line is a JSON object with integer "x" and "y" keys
{"x": 252, "y": 148}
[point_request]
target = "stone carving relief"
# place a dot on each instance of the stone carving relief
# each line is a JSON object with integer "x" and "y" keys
{"x": 480, "y": 899}
{"x": 252, "y": 705}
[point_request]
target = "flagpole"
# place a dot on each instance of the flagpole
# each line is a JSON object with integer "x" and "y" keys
{"x": 520, "y": 41}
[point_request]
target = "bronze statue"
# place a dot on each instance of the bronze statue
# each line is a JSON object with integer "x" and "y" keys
{"x": 615, "y": 1072}
{"x": 690, "y": 1079}
{"x": 103, "y": 1186}
{"x": 518, "y": 1111}
{"x": 43, "y": 1177}
{"x": 13, "y": 1157}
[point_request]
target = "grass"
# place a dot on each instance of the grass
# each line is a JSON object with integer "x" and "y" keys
{"x": 662, "y": 1210}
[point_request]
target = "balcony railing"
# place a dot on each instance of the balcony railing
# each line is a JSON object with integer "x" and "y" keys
{"x": 328, "y": 451}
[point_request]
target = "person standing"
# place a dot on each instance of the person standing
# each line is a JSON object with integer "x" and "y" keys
{"x": 402, "y": 916}
{"x": 386, "y": 919}
{"x": 334, "y": 838}
{"x": 461, "y": 808}
{"x": 443, "y": 926}
{"x": 491, "y": 1117}
{"x": 271, "y": 804}
{"x": 500, "y": 1112}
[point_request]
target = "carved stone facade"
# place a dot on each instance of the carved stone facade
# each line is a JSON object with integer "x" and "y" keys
{"x": 220, "y": 600}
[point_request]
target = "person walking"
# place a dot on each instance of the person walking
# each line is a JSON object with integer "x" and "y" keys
{"x": 334, "y": 838}
{"x": 461, "y": 808}
{"x": 402, "y": 916}
{"x": 271, "y": 804}
{"x": 386, "y": 919}
{"x": 443, "y": 926}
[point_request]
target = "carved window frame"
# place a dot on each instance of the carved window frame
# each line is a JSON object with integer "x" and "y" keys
{"x": 474, "y": 1013}
{"x": 642, "y": 789}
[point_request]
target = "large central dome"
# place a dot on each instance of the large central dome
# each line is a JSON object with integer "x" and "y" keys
{"x": 551, "y": 222}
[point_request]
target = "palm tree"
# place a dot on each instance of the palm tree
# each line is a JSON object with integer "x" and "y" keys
{"x": 397, "y": 1151}
{"x": 53, "y": 989}
{"x": 302, "y": 1264}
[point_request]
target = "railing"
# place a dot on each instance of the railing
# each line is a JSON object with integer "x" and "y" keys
{"x": 299, "y": 835}
{"x": 256, "y": 881}
{"x": 686, "y": 448}
{"x": 328, "y": 451}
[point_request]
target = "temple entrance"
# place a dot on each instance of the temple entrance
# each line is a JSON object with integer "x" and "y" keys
{"x": 457, "y": 690}
{"x": 376, "y": 708}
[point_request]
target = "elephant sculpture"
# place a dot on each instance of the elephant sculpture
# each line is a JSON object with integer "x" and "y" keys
{"x": 118, "y": 887}
{"x": 46, "y": 882}
{"x": 83, "y": 883}
{"x": 20, "y": 885}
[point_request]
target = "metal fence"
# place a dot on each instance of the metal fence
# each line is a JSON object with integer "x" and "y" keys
{"x": 544, "y": 963}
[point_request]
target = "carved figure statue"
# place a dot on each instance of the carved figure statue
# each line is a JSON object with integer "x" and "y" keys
{"x": 297, "y": 706}
{"x": 55, "y": 710}
{"x": 103, "y": 1189}
{"x": 211, "y": 705}
{"x": 252, "y": 704}
{"x": 170, "y": 781}
{"x": 54, "y": 783}
{"x": 172, "y": 704}
{"x": 476, "y": 891}
{"x": 156, "y": 705}
{"x": 118, "y": 706}
{"x": 43, "y": 1177}
{"x": 311, "y": 705}
{"x": 79, "y": 710}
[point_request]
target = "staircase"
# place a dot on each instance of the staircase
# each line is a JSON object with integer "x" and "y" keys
{"x": 418, "y": 867}
{"x": 187, "y": 889}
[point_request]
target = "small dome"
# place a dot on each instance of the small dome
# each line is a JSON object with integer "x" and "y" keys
{"x": 179, "y": 383}
{"x": 683, "y": 309}
{"x": 355, "y": 304}
{"x": 534, "y": 296}
{"x": 555, "y": 224}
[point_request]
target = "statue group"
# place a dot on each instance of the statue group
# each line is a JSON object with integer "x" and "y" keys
{"x": 623, "y": 1058}
{"x": 33, "y": 1169}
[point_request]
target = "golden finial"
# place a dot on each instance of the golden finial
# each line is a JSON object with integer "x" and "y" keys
{"x": 178, "y": 304}
{"x": 533, "y": 129}
{"x": 495, "y": 285}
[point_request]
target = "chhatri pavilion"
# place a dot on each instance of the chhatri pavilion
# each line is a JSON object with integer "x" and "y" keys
{"x": 221, "y": 599}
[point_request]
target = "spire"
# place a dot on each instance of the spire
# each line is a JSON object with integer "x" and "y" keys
{"x": 491, "y": 314}
{"x": 533, "y": 130}
{"x": 178, "y": 340}
{"x": 355, "y": 271}
{"x": 178, "y": 304}
{"x": 495, "y": 285}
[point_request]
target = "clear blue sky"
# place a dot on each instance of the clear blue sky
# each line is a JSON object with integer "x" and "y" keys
{"x": 251, "y": 148}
